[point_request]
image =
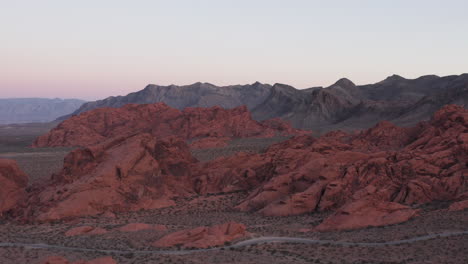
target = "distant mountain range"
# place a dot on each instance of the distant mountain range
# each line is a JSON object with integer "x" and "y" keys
{"x": 343, "y": 105}
{"x": 31, "y": 110}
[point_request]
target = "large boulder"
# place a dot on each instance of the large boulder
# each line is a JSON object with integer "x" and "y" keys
{"x": 204, "y": 237}
{"x": 13, "y": 183}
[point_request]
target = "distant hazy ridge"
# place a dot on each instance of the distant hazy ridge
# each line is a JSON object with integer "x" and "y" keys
{"x": 29, "y": 110}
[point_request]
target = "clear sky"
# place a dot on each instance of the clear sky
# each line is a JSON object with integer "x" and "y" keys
{"x": 92, "y": 49}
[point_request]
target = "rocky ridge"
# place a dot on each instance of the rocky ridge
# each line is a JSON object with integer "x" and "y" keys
{"x": 343, "y": 105}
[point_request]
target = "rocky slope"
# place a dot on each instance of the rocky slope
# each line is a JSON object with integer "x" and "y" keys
{"x": 386, "y": 166}
{"x": 161, "y": 120}
{"x": 343, "y": 105}
{"x": 30, "y": 110}
{"x": 369, "y": 178}
{"x": 194, "y": 95}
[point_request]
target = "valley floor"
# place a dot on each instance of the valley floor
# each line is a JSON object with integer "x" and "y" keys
{"x": 434, "y": 219}
{"x": 196, "y": 211}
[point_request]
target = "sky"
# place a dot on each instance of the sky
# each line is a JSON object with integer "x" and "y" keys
{"x": 91, "y": 49}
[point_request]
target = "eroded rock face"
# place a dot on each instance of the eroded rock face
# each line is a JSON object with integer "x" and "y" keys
{"x": 12, "y": 185}
{"x": 385, "y": 165}
{"x": 204, "y": 237}
{"x": 121, "y": 174}
{"x": 160, "y": 120}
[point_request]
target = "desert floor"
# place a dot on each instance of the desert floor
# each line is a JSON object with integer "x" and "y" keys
{"x": 195, "y": 211}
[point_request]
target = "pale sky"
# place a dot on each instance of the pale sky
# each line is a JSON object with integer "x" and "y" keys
{"x": 91, "y": 49}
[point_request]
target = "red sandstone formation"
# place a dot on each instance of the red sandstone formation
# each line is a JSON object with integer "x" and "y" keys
{"x": 204, "y": 237}
{"x": 12, "y": 185}
{"x": 85, "y": 230}
{"x": 365, "y": 213}
{"x": 160, "y": 120}
{"x": 62, "y": 260}
{"x": 386, "y": 166}
{"x": 134, "y": 227}
{"x": 383, "y": 165}
{"x": 121, "y": 174}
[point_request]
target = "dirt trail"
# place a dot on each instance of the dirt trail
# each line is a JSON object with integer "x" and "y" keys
{"x": 248, "y": 242}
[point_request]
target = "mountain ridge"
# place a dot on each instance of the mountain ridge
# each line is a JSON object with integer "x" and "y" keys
{"x": 342, "y": 105}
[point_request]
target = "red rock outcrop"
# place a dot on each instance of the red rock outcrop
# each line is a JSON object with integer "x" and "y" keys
{"x": 85, "y": 230}
{"x": 160, "y": 120}
{"x": 62, "y": 260}
{"x": 12, "y": 185}
{"x": 204, "y": 237}
{"x": 386, "y": 166}
{"x": 121, "y": 174}
{"x": 383, "y": 165}
{"x": 365, "y": 213}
